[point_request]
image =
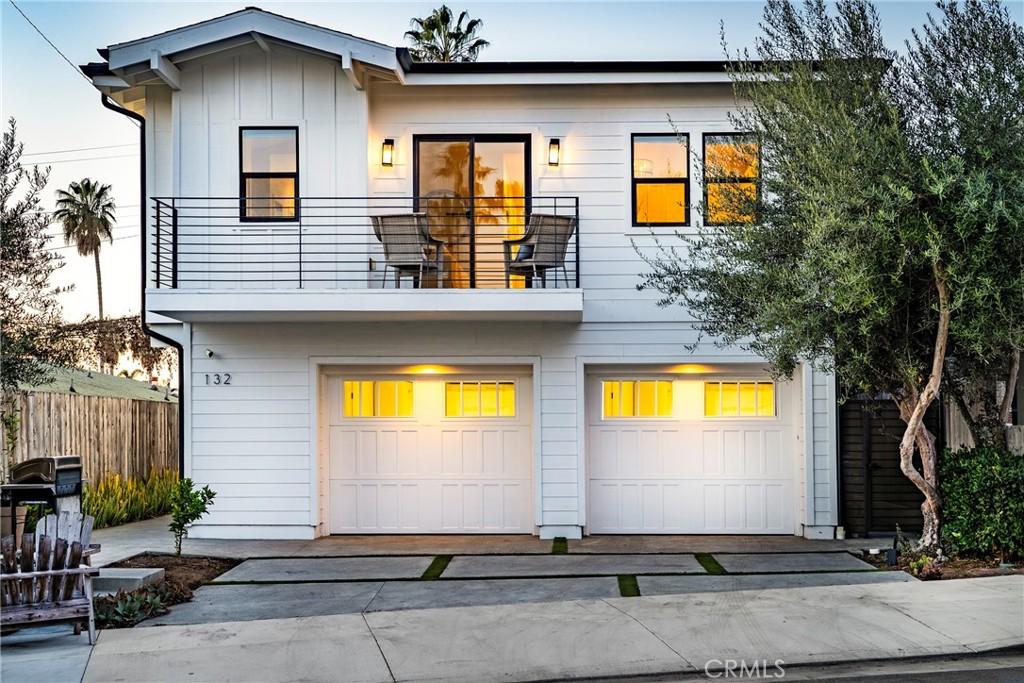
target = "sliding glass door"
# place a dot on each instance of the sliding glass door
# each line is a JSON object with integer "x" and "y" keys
{"x": 475, "y": 190}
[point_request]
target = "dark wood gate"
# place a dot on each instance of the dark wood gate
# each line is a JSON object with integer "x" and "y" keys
{"x": 876, "y": 496}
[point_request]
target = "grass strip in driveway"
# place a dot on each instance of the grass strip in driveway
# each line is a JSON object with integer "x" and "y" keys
{"x": 709, "y": 563}
{"x": 560, "y": 546}
{"x": 436, "y": 568}
{"x": 628, "y": 587}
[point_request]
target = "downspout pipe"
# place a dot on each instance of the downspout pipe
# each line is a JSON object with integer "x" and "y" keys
{"x": 143, "y": 232}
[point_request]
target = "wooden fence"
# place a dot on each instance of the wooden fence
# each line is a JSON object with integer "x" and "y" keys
{"x": 958, "y": 434}
{"x": 112, "y": 435}
{"x": 1015, "y": 439}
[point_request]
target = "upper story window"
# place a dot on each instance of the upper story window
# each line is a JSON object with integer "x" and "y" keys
{"x": 731, "y": 173}
{"x": 269, "y": 173}
{"x": 661, "y": 179}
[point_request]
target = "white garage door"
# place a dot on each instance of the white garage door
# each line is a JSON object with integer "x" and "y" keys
{"x": 446, "y": 454}
{"x": 671, "y": 455}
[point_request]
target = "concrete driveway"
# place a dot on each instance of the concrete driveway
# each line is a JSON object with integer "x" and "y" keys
{"x": 152, "y": 535}
{"x": 275, "y": 588}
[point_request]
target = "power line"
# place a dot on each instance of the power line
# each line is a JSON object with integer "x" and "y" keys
{"x": 74, "y": 246}
{"x": 79, "y": 149}
{"x": 119, "y": 208}
{"x": 60, "y": 231}
{"x": 50, "y": 42}
{"x": 47, "y": 162}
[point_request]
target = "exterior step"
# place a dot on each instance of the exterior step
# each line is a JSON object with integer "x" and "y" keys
{"x": 113, "y": 579}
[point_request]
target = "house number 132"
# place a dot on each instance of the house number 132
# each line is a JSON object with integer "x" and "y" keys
{"x": 218, "y": 378}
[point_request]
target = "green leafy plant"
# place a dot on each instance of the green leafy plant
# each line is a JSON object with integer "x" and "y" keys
{"x": 188, "y": 504}
{"x": 11, "y": 421}
{"x": 983, "y": 493}
{"x": 924, "y": 563}
{"x": 119, "y": 500}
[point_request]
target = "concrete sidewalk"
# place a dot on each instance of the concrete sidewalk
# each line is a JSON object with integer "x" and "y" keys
{"x": 598, "y": 638}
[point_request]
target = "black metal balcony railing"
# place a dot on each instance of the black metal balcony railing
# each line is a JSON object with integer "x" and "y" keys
{"x": 365, "y": 243}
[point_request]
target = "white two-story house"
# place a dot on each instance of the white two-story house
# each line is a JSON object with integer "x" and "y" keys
{"x": 406, "y": 293}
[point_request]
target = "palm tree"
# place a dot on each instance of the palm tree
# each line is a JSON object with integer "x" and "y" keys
{"x": 436, "y": 39}
{"x": 86, "y": 210}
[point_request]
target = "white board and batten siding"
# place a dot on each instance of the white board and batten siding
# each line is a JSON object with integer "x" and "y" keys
{"x": 193, "y": 135}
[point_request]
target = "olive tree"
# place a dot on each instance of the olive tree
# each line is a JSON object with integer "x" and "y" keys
{"x": 31, "y": 325}
{"x": 962, "y": 95}
{"x": 864, "y": 251}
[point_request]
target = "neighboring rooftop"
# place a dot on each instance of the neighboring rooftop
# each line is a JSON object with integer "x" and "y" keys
{"x": 88, "y": 383}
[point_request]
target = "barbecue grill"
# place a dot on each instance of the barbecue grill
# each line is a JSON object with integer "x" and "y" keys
{"x": 55, "y": 481}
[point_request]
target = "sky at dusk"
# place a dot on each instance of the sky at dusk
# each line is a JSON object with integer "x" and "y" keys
{"x": 57, "y": 110}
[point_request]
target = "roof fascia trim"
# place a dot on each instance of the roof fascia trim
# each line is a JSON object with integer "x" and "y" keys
{"x": 243, "y": 24}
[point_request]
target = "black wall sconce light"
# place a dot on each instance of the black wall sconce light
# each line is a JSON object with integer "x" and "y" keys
{"x": 387, "y": 152}
{"x": 554, "y": 152}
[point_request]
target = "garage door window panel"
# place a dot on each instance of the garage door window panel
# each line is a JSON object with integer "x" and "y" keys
{"x": 624, "y": 399}
{"x": 479, "y": 399}
{"x": 739, "y": 399}
{"x": 377, "y": 398}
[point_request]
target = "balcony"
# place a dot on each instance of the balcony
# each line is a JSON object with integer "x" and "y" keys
{"x": 382, "y": 258}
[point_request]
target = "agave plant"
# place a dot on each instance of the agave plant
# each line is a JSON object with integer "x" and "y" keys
{"x": 437, "y": 38}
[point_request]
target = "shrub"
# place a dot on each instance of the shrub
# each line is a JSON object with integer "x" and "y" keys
{"x": 119, "y": 500}
{"x": 188, "y": 504}
{"x": 983, "y": 501}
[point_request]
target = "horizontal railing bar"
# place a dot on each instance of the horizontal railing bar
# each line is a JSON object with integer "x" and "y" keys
{"x": 393, "y": 198}
{"x": 329, "y": 241}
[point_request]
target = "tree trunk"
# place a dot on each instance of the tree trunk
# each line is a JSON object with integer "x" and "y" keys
{"x": 912, "y": 405}
{"x": 99, "y": 281}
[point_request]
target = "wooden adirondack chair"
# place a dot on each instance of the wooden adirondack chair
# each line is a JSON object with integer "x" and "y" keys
{"x": 48, "y": 579}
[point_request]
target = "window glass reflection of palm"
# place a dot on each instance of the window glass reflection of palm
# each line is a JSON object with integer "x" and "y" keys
{"x": 495, "y": 202}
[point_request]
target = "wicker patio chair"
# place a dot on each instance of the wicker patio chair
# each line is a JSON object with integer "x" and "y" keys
{"x": 547, "y": 238}
{"x": 408, "y": 247}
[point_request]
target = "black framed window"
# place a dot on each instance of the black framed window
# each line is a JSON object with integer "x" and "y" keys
{"x": 732, "y": 166}
{"x": 268, "y": 173}
{"x": 661, "y": 179}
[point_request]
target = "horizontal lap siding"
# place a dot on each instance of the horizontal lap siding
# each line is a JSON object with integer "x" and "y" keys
{"x": 823, "y": 443}
{"x": 251, "y": 440}
{"x": 594, "y": 124}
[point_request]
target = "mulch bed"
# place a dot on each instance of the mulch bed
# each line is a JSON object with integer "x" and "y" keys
{"x": 182, "y": 575}
{"x": 185, "y": 570}
{"x": 954, "y": 568}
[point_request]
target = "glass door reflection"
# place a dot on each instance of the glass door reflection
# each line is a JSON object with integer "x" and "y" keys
{"x": 475, "y": 191}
